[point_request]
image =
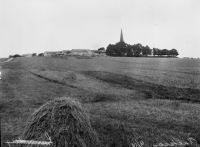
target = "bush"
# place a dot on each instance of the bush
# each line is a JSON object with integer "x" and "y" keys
{"x": 40, "y": 54}
{"x": 16, "y": 55}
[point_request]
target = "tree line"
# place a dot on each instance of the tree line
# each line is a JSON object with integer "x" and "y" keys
{"x": 121, "y": 49}
{"x": 33, "y": 55}
{"x": 159, "y": 52}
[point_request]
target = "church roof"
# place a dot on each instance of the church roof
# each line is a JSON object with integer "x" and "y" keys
{"x": 121, "y": 37}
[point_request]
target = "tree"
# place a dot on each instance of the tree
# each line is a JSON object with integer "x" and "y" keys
{"x": 165, "y": 52}
{"x": 137, "y": 49}
{"x": 110, "y": 51}
{"x": 34, "y": 54}
{"x": 173, "y": 52}
{"x": 40, "y": 54}
{"x": 155, "y": 51}
{"x": 159, "y": 52}
{"x": 121, "y": 49}
{"x": 146, "y": 50}
{"x": 16, "y": 55}
{"x": 130, "y": 50}
{"x": 102, "y": 48}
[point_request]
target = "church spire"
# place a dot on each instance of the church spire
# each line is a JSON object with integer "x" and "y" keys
{"x": 121, "y": 37}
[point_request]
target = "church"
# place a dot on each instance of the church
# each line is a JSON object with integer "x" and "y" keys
{"x": 121, "y": 37}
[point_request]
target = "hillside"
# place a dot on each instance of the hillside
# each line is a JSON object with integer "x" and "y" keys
{"x": 129, "y": 100}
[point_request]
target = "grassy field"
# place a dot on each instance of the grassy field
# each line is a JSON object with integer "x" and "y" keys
{"x": 3, "y": 59}
{"x": 129, "y": 100}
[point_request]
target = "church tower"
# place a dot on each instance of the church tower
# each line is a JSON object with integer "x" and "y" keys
{"x": 121, "y": 37}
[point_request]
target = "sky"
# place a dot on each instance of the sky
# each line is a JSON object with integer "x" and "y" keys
{"x": 36, "y": 26}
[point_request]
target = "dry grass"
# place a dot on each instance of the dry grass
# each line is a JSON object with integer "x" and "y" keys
{"x": 151, "y": 121}
{"x": 181, "y": 73}
{"x": 70, "y": 77}
{"x": 65, "y": 121}
{"x": 127, "y": 99}
{"x": 3, "y": 59}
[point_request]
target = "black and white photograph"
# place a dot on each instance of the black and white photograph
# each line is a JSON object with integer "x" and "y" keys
{"x": 100, "y": 73}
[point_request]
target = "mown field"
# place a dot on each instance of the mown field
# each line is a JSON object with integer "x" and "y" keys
{"x": 3, "y": 59}
{"x": 129, "y": 100}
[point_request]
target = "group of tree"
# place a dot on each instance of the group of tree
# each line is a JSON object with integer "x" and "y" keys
{"x": 124, "y": 49}
{"x": 101, "y": 49}
{"x": 14, "y": 56}
{"x": 165, "y": 52}
{"x": 121, "y": 49}
{"x": 33, "y": 55}
{"x": 40, "y": 54}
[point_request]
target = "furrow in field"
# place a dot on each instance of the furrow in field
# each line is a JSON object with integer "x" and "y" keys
{"x": 51, "y": 80}
{"x": 151, "y": 90}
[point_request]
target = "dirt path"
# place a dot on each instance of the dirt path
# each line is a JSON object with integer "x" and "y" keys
{"x": 7, "y": 60}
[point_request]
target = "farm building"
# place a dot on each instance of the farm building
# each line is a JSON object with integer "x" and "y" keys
{"x": 59, "y": 53}
{"x": 81, "y": 52}
{"x": 66, "y": 52}
{"x": 49, "y": 53}
{"x": 99, "y": 52}
{"x": 27, "y": 55}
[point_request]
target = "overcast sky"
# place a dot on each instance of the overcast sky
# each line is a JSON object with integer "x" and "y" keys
{"x": 35, "y": 26}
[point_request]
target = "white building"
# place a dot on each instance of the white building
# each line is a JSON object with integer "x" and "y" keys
{"x": 81, "y": 52}
{"x": 27, "y": 55}
{"x": 49, "y": 53}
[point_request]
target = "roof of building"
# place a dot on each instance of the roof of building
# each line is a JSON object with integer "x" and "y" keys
{"x": 80, "y": 50}
{"x": 60, "y": 53}
{"x": 99, "y": 51}
{"x": 27, "y": 54}
{"x": 66, "y": 50}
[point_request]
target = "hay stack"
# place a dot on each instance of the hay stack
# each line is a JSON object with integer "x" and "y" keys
{"x": 66, "y": 123}
{"x": 70, "y": 77}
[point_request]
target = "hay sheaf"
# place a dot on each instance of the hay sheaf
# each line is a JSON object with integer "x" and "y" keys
{"x": 66, "y": 123}
{"x": 70, "y": 77}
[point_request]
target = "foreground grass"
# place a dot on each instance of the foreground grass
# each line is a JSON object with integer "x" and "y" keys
{"x": 148, "y": 121}
{"x": 121, "y": 108}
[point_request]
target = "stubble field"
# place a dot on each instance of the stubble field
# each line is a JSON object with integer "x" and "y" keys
{"x": 129, "y": 100}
